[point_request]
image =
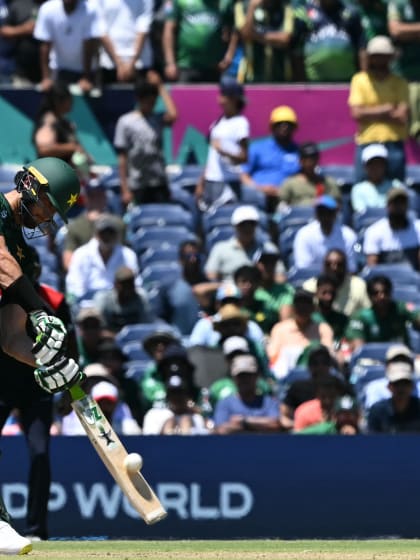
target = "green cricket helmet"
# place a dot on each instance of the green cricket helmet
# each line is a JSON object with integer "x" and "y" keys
{"x": 59, "y": 180}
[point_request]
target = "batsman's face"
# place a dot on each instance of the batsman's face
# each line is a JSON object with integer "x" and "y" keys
{"x": 38, "y": 212}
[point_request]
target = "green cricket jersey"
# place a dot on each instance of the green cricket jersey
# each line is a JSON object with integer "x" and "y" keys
{"x": 15, "y": 241}
{"x": 407, "y": 63}
{"x": 337, "y": 321}
{"x": 199, "y": 35}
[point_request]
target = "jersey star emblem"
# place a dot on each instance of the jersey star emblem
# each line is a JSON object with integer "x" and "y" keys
{"x": 19, "y": 253}
{"x": 72, "y": 199}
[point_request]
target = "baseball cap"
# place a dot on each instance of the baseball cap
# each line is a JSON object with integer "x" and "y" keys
{"x": 268, "y": 249}
{"x": 124, "y": 273}
{"x": 374, "y": 151}
{"x": 381, "y": 44}
{"x": 98, "y": 370}
{"x": 88, "y": 313}
{"x": 230, "y": 312}
{"x": 283, "y": 113}
{"x": 346, "y": 402}
{"x": 399, "y": 371}
{"x": 398, "y": 350}
{"x": 308, "y": 149}
{"x": 243, "y": 364}
{"x": 326, "y": 201}
{"x": 228, "y": 290}
{"x": 175, "y": 383}
{"x": 104, "y": 390}
{"x": 107, "y": 221}
{"x": 235, "y": 344}
{"x": 244, "y": 214}
{"x": 231, "y": 88}
{"x": 397, "y": 192}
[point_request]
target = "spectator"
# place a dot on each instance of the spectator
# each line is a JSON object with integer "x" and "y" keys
{"x": 401, "y": 412}
{"x": 324, "y": 233}
{"x": 93, "y": 265}
{"x": 351, "y": 290}
{"x": 248, "y": 278}
{"x": 69, "y": 31}
{"x": 127, "y": 40}
{"x": 332, "y": 40}
{"x": 18, "y": 32}
{"x": 230, "y": 320}
{"x": 289, "y": 338}
{"x": 180, "y": 415}
{"x": 385, "y": 321}
{"x": 273, "y": 159}
{"x": 7, "y": 60}
{"x": 228, "y": 148}
{"x": 193, "y": 41}
{"x": 246, "y": 412}
{"x": 178, "y": 303}
{"x": 320, "y": 365}
{"x": 327, "y": 390}
{"x": 326, "y": 290}
{"x": 275, "y": 295}
{"x": 372, "y": 192}
{"x": 379, "y": 104}
{"x": 90, "y": 333}
{"x": 113, "y": 359}
{"x": 138, "y": 141}
{"x": 266, "y": 28}
{"x": 396, "y": 237}
{"x": 345, "y": 420}
{"x": 373, "y": 14}
{"x": 304, "y": 187}
{"x": 124, "y": 304}
{"x": 81, "y": 229}
{"x": 54, "y": 134}
{"x": 226, "y": 256}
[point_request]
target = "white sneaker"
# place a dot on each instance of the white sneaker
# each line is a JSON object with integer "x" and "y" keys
{"x": 11, "y": 542}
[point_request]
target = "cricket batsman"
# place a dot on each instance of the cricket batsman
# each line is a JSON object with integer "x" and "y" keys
{"x": 29, "y": 331}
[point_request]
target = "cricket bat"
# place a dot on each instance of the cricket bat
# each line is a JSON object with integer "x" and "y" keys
{"x": 113, "y": 453}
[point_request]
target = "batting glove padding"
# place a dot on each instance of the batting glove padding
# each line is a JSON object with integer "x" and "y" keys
{"x": 49, "y": 335}
{"x": 58, "y": 376}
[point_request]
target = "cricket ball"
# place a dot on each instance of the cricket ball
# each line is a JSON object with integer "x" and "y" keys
{"x": 133, "y": 462}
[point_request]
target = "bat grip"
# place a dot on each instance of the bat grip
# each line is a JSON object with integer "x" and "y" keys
{"x": 77, "y": 393}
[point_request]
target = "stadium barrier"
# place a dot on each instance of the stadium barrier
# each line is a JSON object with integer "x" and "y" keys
{"x": 228, "y": 487}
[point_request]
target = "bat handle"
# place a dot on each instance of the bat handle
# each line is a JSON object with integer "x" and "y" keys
{"x": 77, "y": 393}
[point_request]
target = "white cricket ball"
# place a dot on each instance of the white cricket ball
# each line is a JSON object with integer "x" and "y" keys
{"x": 133, "y": 462}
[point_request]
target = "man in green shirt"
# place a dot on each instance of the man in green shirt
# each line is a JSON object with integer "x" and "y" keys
{"x": 385, "y": 321}
{"x": 193, "y": 44}
{"x": 326, "y": 291}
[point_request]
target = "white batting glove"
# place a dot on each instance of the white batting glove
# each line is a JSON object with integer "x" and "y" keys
{"x": 49, "y": 335}
{"x": 58, "y": 376}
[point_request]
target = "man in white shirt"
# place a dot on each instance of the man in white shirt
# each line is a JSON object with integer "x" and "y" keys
{"x": 94, "y": 265}
{"x": 69, "y": 31}
{"x": 315, "y": 239}
{"x": 395, "y": 238}
{"x": 128, "y": 24}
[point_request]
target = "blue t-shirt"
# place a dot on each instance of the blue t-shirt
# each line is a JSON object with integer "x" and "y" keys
{"x": 263, "y": 405}
{"x": 269, "y": 163}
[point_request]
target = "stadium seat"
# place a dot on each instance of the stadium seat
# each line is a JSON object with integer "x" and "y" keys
{"x": 134, "y": 351}
{"x": 50, "y": 278}
{"x": 188, "y": 177}
{"x": 297, "y": 276}
{"x": 148, "y": 215}
{"x": 408, "y": 293}
{"x": 343, "y": 174}
{"x": 139, "y": 331}
{"x": 135, "y": 369}
{"x": 362, "y": 375}
{"x": 161, "y": 273}
{"x": 296, "y": 217}
{"x": 414, "y": 339}
{"x": 168, "y": 254}
{"x": 164, "y": 237}
{"x": 362, "y": 220}
{"x": 253, "y": 197}
{"x": 297, "y": 373}
{"x": 369, "y": 354}
{"x": 400, "y": 274}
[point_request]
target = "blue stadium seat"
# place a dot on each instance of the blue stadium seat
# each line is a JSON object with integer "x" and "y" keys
{"x": 285, "y": 242}
{"x": 253, "y": 197}
{"x": 134, "y": 351}
{"x": 135, "y": 369}
{"x": 168, "y": 254}
{"x": 50, "y": 278}
{"x": 154, "y": 237}
{"x": 363, "y": 375}
{"x": 414, "y": 338}
{"x": 408, "y": 293}
{"x": 343, "y": 174}
{"x": 139, "y": 331}
{"x": 362, "y": 220}
{"x": 297, "y": 373}
{"x": 161, "y": 273}
{"x": 296, "y": 217}
{"x": 400, "y": 274}
{"x": 297, "y": 276}
{"x": 187, "y": 201}
{"x": 188, "y": 177}
{"x": 148, "y": 215}
{"x": 370, "y": 352}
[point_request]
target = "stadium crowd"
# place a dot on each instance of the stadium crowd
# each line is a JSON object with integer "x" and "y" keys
{"x": 257, "y": 293}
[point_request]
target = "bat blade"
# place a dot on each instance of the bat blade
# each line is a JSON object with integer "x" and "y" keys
{"x": 113, "y": 453}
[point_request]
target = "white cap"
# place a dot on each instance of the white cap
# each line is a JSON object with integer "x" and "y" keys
{"x": 244, "y": 214}
{"x": 381, "y": 44}
{"x": 235, "y": 344}
{"x": 398, "y": 371}
{"x": 104, "y": 390}
{"x": 396, "y": 351}
{"x": 374, "y": 151}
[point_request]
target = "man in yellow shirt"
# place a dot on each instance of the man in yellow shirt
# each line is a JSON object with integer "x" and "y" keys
{"x": 379, "y": 104}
